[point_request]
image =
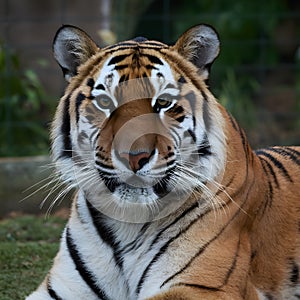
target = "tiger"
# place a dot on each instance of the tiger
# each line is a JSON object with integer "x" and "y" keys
{"x": 171, "y": 201}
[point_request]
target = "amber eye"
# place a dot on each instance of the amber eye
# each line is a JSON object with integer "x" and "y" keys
{"x": 163, "y": 102}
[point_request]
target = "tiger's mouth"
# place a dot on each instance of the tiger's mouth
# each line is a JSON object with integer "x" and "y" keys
{"x": 138, "y": 185}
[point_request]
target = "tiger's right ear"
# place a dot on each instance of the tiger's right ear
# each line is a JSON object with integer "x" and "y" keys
{"x": 72, "y": 47}
{"x": 200, "y": 45}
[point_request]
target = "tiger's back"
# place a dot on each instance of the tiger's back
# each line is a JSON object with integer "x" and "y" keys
{"x": 172, "y": 202}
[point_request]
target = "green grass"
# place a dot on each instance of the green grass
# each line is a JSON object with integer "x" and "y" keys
{"x": 28, "y": 245}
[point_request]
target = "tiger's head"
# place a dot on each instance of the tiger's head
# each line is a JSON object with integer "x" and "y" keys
{"x": 137, "y": 128}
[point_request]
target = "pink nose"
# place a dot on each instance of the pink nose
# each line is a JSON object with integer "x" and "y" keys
{"x": 136, "y": 161}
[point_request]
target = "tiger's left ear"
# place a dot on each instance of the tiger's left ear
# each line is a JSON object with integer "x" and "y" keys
{"x": 71, "y": 48}
{"x": 200, "y": 45}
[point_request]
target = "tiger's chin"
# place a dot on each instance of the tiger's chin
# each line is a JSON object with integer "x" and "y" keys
{"x": 130, "y": 194}
{"x": 137, "y": 200}
{"x": 138, "y": 189}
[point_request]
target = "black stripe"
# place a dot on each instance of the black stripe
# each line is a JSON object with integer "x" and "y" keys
{"x": 205, "y": 246}
{"x": 180, "y": 119}
{"x": 270, "y": 196}
{"x": 53, "y": 294}
{"x": 182, "y": 80}
{"x": 244, "y": 141}
{"x": 84, "y": 272}
{"x": 245, "y": 146}
{"x": 294, "y": 277}
{"x": 169, "y": 55}
{"x": 270, "y": 171}
{"x": 276, "y": 162}
{"x": 233, "y": 265}
{"x": 199, "y": 286}
{"x": 121, "y": 67}
{"x": 153, "y": 59}
{"x": 163, "y": 249}
{"x": 296, "y": 152}
{"x": 123, "y": 78}
{"x": 80, "y": 97}
{"x": 151, "y": 67}
{"x": 105, "y": 233}
{"x": 111, "y": 182}
{"x": 51, "y": 291}
{"x": 118, "y": 58}
{"x": 122, "y": 45}
{"x": 130, "y": 46}
{"x": 100, "y": 86}
{"x": 135, "y": 244}
{"x": 65, "y": 130}
{"x": 192, "y": 134}
{"x": 204, "y": 148}
{"x": 161, "y": 187}
{"x": 176, "y": 109}
{"x": 232, "y": 121}
{"x": 287, "y": 152}
{"x": 90, "y": 82}
{"x": 102, "y": 165}
{"x": 154, "y": 43}
{"x": 159, "y": 234}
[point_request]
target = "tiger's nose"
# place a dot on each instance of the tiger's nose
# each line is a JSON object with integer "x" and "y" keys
{"x": 135, "y": 160}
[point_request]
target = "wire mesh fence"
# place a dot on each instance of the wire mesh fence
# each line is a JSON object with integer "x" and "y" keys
{"x": 256, "y": 76}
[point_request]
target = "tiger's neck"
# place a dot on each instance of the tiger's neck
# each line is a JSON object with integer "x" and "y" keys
{"x": 243, "y": 183}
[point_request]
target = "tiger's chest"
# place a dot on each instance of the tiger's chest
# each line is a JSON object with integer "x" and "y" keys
{"x": 131, "y": 261}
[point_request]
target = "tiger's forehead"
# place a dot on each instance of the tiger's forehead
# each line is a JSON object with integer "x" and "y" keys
{"x": 138, "y": 74}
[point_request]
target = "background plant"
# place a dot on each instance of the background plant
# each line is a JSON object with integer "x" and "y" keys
{"x": 24, "y": 108}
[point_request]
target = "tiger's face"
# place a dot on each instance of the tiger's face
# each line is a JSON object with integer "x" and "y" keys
{"x": 137, "y": 127}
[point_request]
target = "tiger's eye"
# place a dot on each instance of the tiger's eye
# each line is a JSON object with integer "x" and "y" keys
{"x": 104, "y": 102}
{"x": 163, "y": 102}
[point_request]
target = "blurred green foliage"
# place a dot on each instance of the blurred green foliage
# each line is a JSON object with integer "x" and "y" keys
{"x": 244, "y": 24}
{"x": 24, "y": 106}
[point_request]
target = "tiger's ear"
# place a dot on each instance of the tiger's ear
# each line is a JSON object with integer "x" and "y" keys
{"x": 72, "y": 47}
{"x": 200, "y": 45}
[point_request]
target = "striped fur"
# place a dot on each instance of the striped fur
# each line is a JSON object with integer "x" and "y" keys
{"x": 172, "y": 202}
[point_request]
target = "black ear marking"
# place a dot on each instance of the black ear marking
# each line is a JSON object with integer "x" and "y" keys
{"x": 71, "y": 48}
